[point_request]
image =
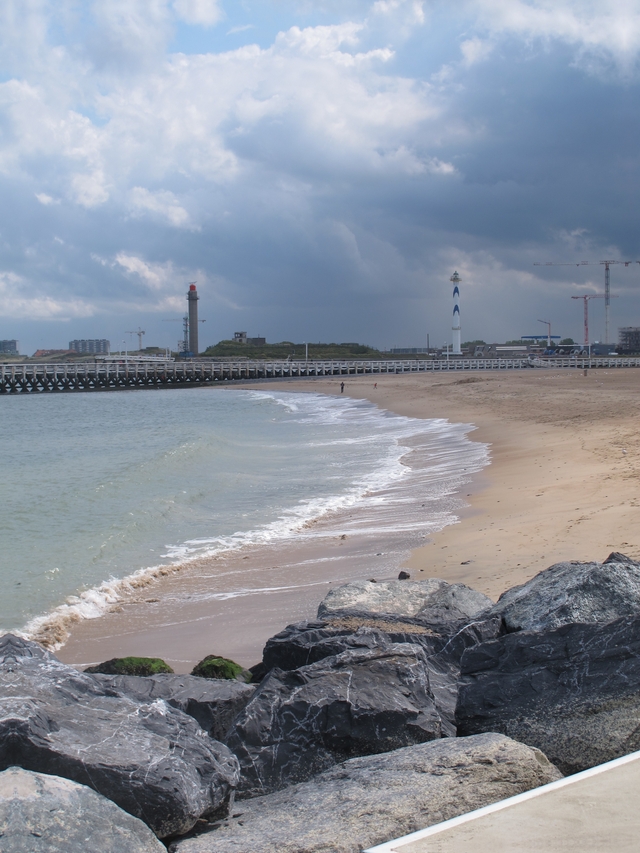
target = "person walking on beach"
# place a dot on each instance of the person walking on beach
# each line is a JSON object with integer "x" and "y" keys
{"x": 342, "y": 387}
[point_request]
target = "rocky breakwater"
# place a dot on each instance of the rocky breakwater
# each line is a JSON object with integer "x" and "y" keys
{"x": 369, "y": 800}
{"x": 565, "y": 676}
{"x": 400, "y": 705}
{"x": 553, "y": 664}
{"x": 152, "y": 760}
{"x": 377, "y": 671}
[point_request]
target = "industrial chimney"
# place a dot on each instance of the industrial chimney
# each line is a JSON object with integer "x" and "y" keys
{"x": 455, "y": 328}
{"x": 192, "y": 299}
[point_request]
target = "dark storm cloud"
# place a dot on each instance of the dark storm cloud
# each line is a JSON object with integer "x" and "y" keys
{"x": 323, "y": 187}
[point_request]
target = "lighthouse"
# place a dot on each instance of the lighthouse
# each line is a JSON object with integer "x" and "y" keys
{"x": 192, "y": 300}
{"x": 455, "y": 328}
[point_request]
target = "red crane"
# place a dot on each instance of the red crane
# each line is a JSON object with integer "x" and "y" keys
{"x": 586, "y": 312}
{"x": 607, "y": 286}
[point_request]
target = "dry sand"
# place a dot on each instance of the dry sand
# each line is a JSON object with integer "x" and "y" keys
{"x": 562, "y": 485}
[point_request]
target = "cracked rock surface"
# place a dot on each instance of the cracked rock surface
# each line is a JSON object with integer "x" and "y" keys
{"x": 308, "y": 642}
{"x": 213, "y": 702}
{"x": 573, "y": 692}
{"x": 364, "y": 700}
{"x": 432, "y": 600}
{"x": 572, "y": 592}
{"x": 154, "y": 761}
{"x": 367, "y": 801}
{"x": 47, "y": 814}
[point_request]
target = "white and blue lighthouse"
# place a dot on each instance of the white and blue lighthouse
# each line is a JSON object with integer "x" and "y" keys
{"x": 455, "y": 328}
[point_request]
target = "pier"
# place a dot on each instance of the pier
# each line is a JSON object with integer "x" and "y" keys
{"x": 85, "y": 376}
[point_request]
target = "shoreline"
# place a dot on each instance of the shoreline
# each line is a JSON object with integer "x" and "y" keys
{"x": 559, "y": 486}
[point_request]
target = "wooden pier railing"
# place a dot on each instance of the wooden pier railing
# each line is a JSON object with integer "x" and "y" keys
{"x": 42, "y": 378}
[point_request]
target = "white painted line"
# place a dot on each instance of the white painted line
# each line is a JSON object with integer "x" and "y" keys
{"x": 396, "y": 845}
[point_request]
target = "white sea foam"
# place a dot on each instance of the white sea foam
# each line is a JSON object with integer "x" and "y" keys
{"x": 390, "y": 490}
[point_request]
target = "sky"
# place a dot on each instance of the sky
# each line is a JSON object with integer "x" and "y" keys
{"x": 320, "y": 169}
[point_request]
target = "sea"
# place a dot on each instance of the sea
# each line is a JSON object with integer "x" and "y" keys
{"x": 100, "y": 490}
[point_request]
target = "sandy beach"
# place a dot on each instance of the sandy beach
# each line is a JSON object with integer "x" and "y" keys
{"x": 562, "y": 485}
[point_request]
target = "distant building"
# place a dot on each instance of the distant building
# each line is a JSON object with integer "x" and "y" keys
{"x": 9, "y": 348}
{"x": 629, "y": 339}
{"x": 241, "y": 338}
{"x": 92, "y": 346}
{"x": 42, "y": 353}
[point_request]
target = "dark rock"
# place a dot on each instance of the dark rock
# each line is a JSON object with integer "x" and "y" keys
{"x": 131, "y": 666}
{"x": 573, "y": 692}
{"x": 308, "y": 642}
{"x": 358, "y": 702}
{"x": 214, "y": 666}
{"x": 429, "y": 601}
{"x": 573, "y": 592}
{"x": 213, "y": 703}
{"x": 404, "y": 576}
{"x": 617, "y": 557}
{"x": 152, "y": 760}
{"x": 47, "y": 814}
{"x": 258, "y": 672}
{"x": 367, "y": 801}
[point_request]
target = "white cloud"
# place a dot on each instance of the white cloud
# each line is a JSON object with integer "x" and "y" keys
{"x": 164, "y": 204}
{"x": 601, "y": 28}
{"x": 155, "y": 276}
{"x": 162, "y": 280}
{"x": 20, "y": 299}
{"x": 46, "y": 200}
{"x": 413, "y": 10}
{"x": 89, "y": 190}
{"x": 240, "y": 29}
{"x": 475, "y": 50}
{"x": 203, "y": 12}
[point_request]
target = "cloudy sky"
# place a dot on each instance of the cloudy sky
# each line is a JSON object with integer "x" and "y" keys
{"x": 320, "y": 168}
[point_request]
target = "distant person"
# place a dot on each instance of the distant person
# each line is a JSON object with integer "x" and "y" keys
{"x": 375, "y": 384}
{"x": 342, "y": 387}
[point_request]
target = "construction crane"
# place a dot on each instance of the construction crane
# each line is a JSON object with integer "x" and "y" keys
{"x": 607, "y": 283}
{"x": 183, "y": 345}
{"x": 139, "y": 333}
{"x": 548, "y": 325}
{"x": 586, "y": 312}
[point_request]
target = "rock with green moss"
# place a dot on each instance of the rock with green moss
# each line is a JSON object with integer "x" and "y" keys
{"x": 131, "y": 666}
{"x": 214, "y": 666}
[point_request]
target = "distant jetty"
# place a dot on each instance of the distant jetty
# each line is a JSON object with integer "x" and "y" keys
{"x": 106, "y": 376}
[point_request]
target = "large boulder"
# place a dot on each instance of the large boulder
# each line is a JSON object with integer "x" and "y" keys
{"x": 154, "y": 761}
{"x": 47, "y": 814}
{"x": 214, "y": 703}
{"x": 573, "y": 692}
{"x": 367, "y": 801}
{"x": 573, "y": 592}
{"x": 358, "y": 702}
{"x": 431, "y": 600}
{"x": 309, "y": 642}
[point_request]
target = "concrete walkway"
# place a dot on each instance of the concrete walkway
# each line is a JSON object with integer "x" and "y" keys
{"x": 596, "y": 811}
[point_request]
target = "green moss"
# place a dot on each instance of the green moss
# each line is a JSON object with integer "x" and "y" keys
{"x": 131, "y": 666}
{"x": 216, "y": 667}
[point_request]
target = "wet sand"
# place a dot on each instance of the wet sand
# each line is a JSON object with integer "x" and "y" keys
{"x": 562, "y": 485}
